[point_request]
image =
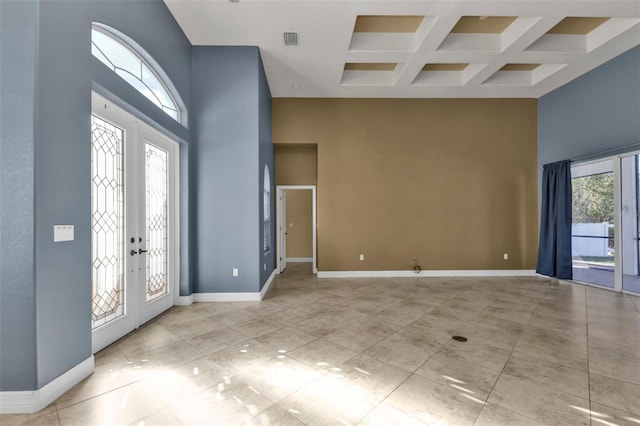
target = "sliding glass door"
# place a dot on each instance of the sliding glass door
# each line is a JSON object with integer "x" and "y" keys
{"x": 605, "y": 228}
{"x": 593, "y": 227}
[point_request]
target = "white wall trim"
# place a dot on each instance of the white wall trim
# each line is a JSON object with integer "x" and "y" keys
{"x": 299, "y": 259}
{"x": 314, "y": 225}
{"x": 236, "y": 297}
{"x": 33, "y": 401}
{"x": 428, "y": 273}
{"x": 267, "y": 285}
{"x": 227, "y": 297}
{"x": 184, "y": 300}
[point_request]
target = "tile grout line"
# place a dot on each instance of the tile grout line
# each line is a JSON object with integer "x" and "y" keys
{"x": 408, "y": 377}
{"x": 389, "y": 394}
{"x": 166, "y": 406}
{"x": 95, "y": 396}
{"x": 637, "y": 306}
{"x": 586, "y": 312}
{"x": 399, "y": 384}
{"x": 499, "y": 375}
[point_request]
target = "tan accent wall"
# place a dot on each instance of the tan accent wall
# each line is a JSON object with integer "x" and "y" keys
{"x": 299, "y": 218}
{"x": 296, "y": 164}
{"x": 452, "y": 182}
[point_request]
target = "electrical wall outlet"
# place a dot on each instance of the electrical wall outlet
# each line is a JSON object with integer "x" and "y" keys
{"x": 506, "y": 256}
{"x": 235, "y": 272}
{"x": 362, "y": 257}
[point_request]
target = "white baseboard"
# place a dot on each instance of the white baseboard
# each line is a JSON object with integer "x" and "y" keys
{"x": 227, "y": 297}
{"x": 299, "y": 259}
{"x": 236, "y": 297}
{"x": 428, "y": 273}
{"x": 265, "y": 287}
{"x": 184, "y": 300}
{"x": 33, "y": 401}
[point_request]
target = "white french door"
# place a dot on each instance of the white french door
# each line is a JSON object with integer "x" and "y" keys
{"x": 134, "y": 221}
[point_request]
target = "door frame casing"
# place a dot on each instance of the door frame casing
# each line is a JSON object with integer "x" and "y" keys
{"x": 314, "y": 224}
{"x": 281, "y": 225}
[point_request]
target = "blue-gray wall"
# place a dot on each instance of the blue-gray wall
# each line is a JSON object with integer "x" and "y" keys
{"x": 46, "y": 286}
{"x": 595, "y": 114}
{"x": 18, "y": 51}
{"x": 62, "y": 191}
{"x": 229, "y": 97}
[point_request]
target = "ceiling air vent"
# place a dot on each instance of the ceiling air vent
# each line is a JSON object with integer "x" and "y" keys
{"x": 290, "y": 39}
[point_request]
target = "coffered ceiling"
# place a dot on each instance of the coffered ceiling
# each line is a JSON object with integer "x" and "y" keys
{"x": 417, "y": 49}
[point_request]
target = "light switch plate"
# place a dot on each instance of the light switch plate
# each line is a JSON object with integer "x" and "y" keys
{"x": 63, "y": 233}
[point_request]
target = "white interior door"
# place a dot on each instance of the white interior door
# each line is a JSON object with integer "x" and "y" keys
{"x": 282, "y": 230}
{"x": 134, "y": 222}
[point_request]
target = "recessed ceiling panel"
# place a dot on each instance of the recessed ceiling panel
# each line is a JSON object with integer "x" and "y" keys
{"x": 522, "y": 74}
{"x": 444, "y": 67}
{"x": 519, "y": 67}
{"x": 387, "y": 24}
{"x": 578, "y": 26}
{"x": 482, "y": 24}
{"x": 379, "y": 66}
{"x": 370, "y": 74}
{"x": 444, "y": 74}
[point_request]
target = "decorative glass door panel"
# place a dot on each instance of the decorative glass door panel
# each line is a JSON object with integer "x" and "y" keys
{"x": 107, "y": 222}
{"x": 156, "y": 221}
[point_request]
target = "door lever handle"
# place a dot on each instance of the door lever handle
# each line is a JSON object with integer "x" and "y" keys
{"x": 142, "y": 251}
{"x": 133, "y": 252}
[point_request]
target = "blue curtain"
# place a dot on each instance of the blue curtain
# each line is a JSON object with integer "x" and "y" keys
{"x": 554, "y": 252}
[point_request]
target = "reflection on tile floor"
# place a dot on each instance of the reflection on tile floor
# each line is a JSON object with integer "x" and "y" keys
{"x": 373, "y": 352}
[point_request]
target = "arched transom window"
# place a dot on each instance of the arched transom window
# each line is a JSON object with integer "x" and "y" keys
{"x": 129, "y": 63}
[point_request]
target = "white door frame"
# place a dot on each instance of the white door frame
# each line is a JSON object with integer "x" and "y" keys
{"x": 314, "y": 225}
{"x": 616, "y": 161}
{"x": 281, "y": 225}
{"x": 141, "y": 131}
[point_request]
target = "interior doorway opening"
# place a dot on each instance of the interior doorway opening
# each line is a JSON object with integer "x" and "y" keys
{"x": 296, "y": 226}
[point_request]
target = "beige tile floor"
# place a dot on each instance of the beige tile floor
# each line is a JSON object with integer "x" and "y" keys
{"x": 373, "y": 352}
